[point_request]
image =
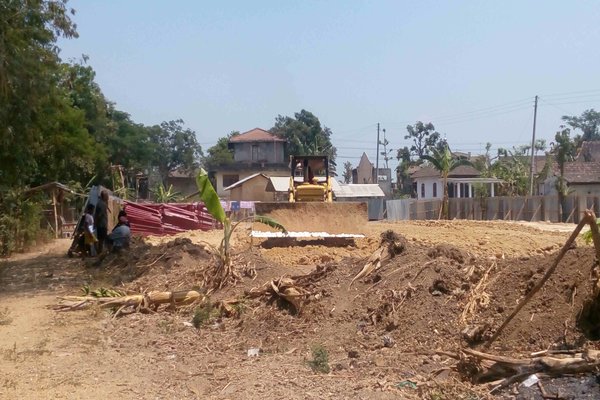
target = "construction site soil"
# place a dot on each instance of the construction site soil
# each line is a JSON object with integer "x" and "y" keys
{"x": 385, "y": 335}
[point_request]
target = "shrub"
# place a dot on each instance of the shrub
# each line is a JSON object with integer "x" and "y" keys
{"x": 320, "y": 361}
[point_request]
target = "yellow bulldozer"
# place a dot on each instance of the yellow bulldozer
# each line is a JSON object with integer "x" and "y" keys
{"x": 311, "y": 210}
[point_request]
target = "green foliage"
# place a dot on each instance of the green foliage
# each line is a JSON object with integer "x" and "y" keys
{"x": 320, "y": 360}
{"x": 220, "y": 154}
{"x": 162, "y": 195}
{"x": 587, "y": 235}
{"x": 20, "y": 219}
{"x": 305, "y": 136}
{"x": 444, "y": 161}
{"x": 203, "y": 313}
{"x": 424, "y": 137}
{"x": 209, "y": 196}
{"x": 347, "y": 172}
{"x": 588, "y": 122}
{"x": 175, "y": 148}
{"x": 29, "y": 90}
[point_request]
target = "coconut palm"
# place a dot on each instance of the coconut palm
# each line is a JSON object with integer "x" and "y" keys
{"x": 444, "y": 161}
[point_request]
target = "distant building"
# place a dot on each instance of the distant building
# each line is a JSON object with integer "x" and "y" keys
{"x": 254, "y": 152}
{"x": 365, "y": 172}
{"x": 463, "y": 181}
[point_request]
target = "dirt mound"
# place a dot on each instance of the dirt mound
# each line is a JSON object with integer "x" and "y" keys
{"x": 448, "y": 251}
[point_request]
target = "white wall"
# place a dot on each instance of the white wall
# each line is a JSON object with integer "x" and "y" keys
{"x": 428, "y": 182}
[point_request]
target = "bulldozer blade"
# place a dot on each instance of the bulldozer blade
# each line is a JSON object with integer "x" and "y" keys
{"x": 315, "y": 219}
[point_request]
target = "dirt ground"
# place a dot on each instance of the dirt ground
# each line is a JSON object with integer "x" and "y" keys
{"x": 380, "y": 334}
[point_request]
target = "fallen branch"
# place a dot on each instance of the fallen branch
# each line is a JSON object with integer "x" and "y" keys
{"x": 491, "y": 367}
{"x": 391, "y": 245}
{"x": 137, "y": 302}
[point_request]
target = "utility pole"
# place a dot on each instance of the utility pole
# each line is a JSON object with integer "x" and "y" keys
{"x": 377, "y": 158}
{"x": 533, "y": 148}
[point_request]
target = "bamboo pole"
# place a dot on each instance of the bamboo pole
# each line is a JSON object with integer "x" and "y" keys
{"x": 585, "y": 220}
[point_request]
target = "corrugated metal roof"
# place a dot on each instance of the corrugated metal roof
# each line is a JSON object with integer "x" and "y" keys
{"x": 238, "y": 183}
{"x": 359, "y": 190}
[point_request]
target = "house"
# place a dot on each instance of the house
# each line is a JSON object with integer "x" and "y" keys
{"x": 463, "y": 181}
{"x": 365, "y": 172}
{"x": 254, "y": 152}
{"x": 582, "y": 175}
{"x": 251, "y": 188}
{"x": 183, "y": 182}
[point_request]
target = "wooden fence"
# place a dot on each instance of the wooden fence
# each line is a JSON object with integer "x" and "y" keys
{"x": 528, "y": 208}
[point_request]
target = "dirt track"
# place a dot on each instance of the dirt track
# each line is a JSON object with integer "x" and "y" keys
{"x": 378, "y": 333}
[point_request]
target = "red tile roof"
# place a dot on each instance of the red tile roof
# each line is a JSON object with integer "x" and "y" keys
{"x": 582, "y": 172}
{"x": 255, "y": 135}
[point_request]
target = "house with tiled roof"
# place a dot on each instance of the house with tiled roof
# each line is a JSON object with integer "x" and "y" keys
{"x": 581, "y": 175}
{"x": 256, "y": 151}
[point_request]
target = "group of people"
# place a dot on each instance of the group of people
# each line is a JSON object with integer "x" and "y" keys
{"x": 94, "y": 229}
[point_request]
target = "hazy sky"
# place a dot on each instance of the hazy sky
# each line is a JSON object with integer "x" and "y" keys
{"x": 470, "y": 67}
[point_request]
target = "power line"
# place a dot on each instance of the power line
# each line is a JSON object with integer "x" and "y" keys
{"x": 568, "y": 93}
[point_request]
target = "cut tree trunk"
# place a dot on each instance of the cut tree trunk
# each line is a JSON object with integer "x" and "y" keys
{"x": 139, "y": 302}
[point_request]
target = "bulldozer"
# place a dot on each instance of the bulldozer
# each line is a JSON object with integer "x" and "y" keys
{"x": 311, "y": 211}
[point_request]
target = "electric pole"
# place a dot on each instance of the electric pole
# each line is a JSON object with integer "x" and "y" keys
{"x": 377, "y": 158}
{"x": 533, "y": 148}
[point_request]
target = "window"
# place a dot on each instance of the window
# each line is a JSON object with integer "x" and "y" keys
{"x": 422, "y": 190}
{"x": 229, "y": 180}
{"x": 434, "y": 189}
{"x": 254, "y": 152}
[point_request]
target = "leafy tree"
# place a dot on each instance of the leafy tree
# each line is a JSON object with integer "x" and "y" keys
{"x": 29, "y": 86}
{"x": 403, "y": 156}
{"x": 513, "y": 168}
{"x": 564, "y": 151}
{"x": 175, "y": 148}
{"x": 304, "y": 135}
{"x": 444, "y": 161}
{"x": 347, "y": 172}
{"x": 220, "y": 153}
{"x": 588, "y": 122}
{"x": 424, "y": 137}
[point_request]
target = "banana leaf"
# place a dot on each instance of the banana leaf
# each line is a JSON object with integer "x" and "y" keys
{"x": 209, "y": 196}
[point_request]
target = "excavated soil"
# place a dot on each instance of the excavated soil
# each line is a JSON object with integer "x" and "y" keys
{"x": 381, "y": 333}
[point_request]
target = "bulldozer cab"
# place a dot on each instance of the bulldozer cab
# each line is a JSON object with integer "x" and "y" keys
{"x": 309, "y": 179}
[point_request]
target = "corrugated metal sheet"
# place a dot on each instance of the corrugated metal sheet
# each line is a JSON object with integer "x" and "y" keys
{"x": 167, "y": 219}
{"x": 359, "y": 190}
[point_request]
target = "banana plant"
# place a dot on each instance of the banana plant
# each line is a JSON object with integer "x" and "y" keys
{"x": 223, "y": 252}
{"x": 163, "y": 195}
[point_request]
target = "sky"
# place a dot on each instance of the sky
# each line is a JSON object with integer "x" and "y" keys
{"x": 472, "y": 68}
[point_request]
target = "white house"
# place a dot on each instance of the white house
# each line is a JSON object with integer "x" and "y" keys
{"x": 463, "y": 181}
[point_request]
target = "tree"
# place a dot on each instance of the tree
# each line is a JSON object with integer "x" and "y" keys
{"x": 424, "y": 137}
{"x": 175, "y": 148}
{"x": 444, "y": 161}
{"x": 588, "y": 122}
{"x": 347, "y": 172}
{"x": 403, "y": 156}
{"x": 29, "y": 85}
{"x": 219, "y": 154}
{"x": 564, "y": 151}
{"x": 304, "y": 135}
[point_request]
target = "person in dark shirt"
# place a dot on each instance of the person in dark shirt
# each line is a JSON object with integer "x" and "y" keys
{"x": 120, "y": 236}
{"x": 101, "y": 220}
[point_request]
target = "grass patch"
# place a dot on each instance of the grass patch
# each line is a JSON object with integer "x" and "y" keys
{"x": 320, "y": 360}
{"x": 203, "y": 314}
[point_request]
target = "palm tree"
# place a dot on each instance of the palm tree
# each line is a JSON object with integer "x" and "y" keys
{"x": 444, "y": 161}
{"x": 564, "y": 151}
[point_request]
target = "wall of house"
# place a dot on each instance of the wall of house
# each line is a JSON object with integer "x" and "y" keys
{"x": 241, "y": 175}
{"x": 363, "y": 174}
{"x": 185, "y": 186}
{"x": 252, "y": 190}
{"x": 268, "y": 152}
{"x": 428, "y": 182}
{"x": 590, "y": 189}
